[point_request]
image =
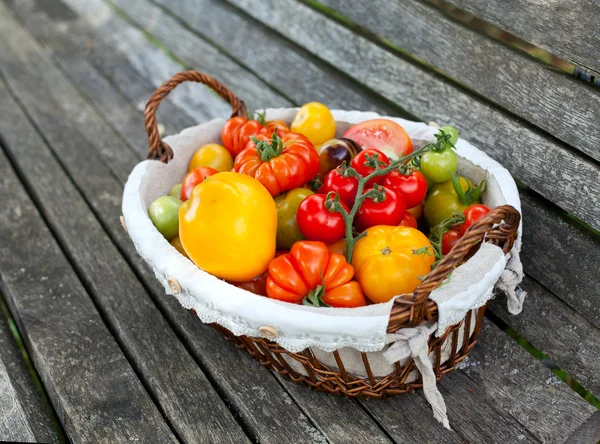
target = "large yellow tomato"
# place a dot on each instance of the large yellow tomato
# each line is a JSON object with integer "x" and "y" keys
{"x": 388, "y": 261}
{"x": 212, "y": 155}
{"x": 315, "y": 121}
{"x": 228, "y": 226}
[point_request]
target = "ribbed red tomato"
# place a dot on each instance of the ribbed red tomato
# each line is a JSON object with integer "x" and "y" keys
{"x": 236, "y": 133}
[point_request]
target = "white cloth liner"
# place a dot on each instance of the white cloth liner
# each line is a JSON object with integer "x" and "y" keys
{"x": 350, "y": 331}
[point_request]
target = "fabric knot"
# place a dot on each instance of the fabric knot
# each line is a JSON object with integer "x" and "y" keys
{"x": 509, "y": 282}
{"x": 413, "y": 342}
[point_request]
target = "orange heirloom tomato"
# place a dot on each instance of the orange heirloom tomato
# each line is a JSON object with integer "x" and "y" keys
{"x": 228, "y": 226}
{"x": 389, "y": 261}
{"x": 272, "y": 125}
{"x": 279, "y": 163}
{"x": 309, "y": 273}
{"x": 236, "y": 133}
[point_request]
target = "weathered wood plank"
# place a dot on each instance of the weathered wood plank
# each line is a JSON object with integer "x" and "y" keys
{"x": 23, "y": 415}
{"x": 572, "y": 342}
{"x": 168, "y": 370}
{"x": 519, "y": 385}
{"x": 518, "y": 83}
{"x": 588, "y": 433}
{"x": 561, "y": 256}
{"x": 564, "y": 28}
{"x": 74, "y": 353}
{"x": 525, "y": 152}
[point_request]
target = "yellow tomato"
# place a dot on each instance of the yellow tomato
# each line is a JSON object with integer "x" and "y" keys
{"x": 315, "y": 121}
{"x": 388, "y": 261}
{"x": 212, "y": 155}
{"x": 176, "y": 242}
{"x": 228, "y": 226}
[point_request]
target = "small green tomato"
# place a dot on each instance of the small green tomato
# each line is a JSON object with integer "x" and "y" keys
{"x": 175, "y": 191}
{"x": 164, "y": 214}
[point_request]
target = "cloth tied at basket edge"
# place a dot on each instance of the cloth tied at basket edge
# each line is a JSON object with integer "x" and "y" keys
{"x": 234, "y": 308}
{"x": 413, "y": 342}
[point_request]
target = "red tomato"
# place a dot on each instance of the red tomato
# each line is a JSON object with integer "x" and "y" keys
{"x": 318, "y": 223}
{"x": 192, "y": 179}
{"x": 408, "y": 220}
{"x": 389, "y": 211}
{"x": 381, "y": 134}
{"x": 412, "y": 187}
{"x": 346, "y": 187}
{"x": 449, "y": 240}
{"x": 472, "y": 214}
{"x": 358, "y": 163}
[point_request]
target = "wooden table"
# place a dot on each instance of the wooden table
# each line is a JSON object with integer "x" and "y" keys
{"x": 106, "y": 356}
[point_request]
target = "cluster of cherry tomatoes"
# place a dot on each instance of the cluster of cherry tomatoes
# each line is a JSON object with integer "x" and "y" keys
{"x": 348, "y": 214}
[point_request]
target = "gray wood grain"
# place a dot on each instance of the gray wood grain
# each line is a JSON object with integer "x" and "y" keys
{"x": 565, "y": 28}
{"x": 530, "y": 156}
{"x": 588, "y": 433}
{"x": 518, "y": 384}
{"x": 562, "y": 256}
{"x": 168, "y": 370}
{"x": 75, "y": 355}
{"x": 23, "y": 415}
{"x": 572, "y": 342}
{"x": 514, "y": 81}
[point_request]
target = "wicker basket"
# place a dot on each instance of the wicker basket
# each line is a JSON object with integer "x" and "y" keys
{"x": 499, "y": 227}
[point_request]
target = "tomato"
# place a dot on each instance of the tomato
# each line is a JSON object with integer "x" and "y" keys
{"x": 453, "y": 133}
{"x": 390, "y": 261}
{"x": 287, "y": 204}
{"x": 175, "y": 191}
{"x": 345, "y": 187}
{"x": 443, "y": 200}
{"x": 236, "y": 133}
{"x": 334, "y": 152}
{"x": 212, "y": 155}
{"x": 318, "y": 223}
{"x": 272, "y": 125}
{"x": 309, "y": 273}
{"x": 193, "y": 178}
{"x": 449, "y": 240}
{"x": 359, "y": 165}
{"x": 258, "y": 285}
{"x": 381, "y": 134}
{"x": 176, "y": 242}
{"x": 387, "y": 211}
{"x": 408, "y": 220}
{"x": 417, "y": 211}
{"x": 164, "y": 214}
{"x": 472, "y": 214}
{"x": 412, "y": 187}
{"x": 279, "y": 163}
{"x": 438, "y": 167}
{"x": 338, "y": 247}
{"x": 315, "y": 121}
{"x": 228, "y": 226}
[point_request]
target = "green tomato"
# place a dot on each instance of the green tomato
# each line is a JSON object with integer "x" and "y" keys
{"x": 287, "y": 204}
{"x": 164, "y": 214}
{"x": 452, "y": 131}
{"x": 175, "y": 191}
{"x": 443, "y": 201}
{"x": 439, "y": 167}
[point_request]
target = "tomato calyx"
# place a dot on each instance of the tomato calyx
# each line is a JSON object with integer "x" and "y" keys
{"x": 471, "y": 194}
{"x": 314, "y": 298}
{"x": 268, "y": 149}
{"x": 258, "y": 116}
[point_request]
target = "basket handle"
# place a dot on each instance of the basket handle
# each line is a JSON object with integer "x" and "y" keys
{"x": 158, "y": 149}
{"x": 505, "y": 217}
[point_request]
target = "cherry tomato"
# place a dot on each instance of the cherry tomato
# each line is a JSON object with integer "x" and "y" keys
{"x": 212, "y": 155}
{"x": 338, "y": 247}
{"x": 472, "y": 214}
{"x": 453, "y": 133}
{"x": 381, "y": 134}
{"x": 318, "y": 223}
{"x": 258, "y": 285}
{"x": 193, "y": 178}
{"x": 388, "y": 211}
{"x": 417, "y": 211}
{"x": 346, "y": 187}
{"x": 175, "y": 191}
{"x": 449, "y": 240}
{"x": 359, "y": 165}
{"x": 315, "y": 121}
{"x": 412, "y": 187}
{"x": 334, "y": 152}
{"x": 164, "y": 214}
{"x": 408, "y": 220}
{"x": 438, "y": 167}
